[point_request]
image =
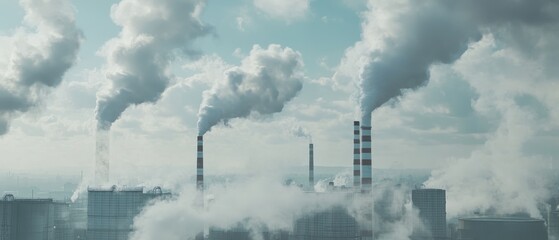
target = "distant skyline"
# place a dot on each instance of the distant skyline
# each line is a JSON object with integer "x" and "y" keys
{"x": 498, "y": 97}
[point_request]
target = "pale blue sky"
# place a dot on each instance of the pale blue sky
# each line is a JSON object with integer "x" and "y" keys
{"x": 458, "y": 113}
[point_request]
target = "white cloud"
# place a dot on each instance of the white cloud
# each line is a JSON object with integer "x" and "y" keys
{"x": 288, "y": 10}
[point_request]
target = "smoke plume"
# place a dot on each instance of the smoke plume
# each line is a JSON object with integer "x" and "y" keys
{"x": 498, "y": 178}
{"x": 417, "y": 35}
{"x": 405, "y": 38}
{"x": 138, "y": 59}
{"x": 40, "y": 58}
{"x": 301, "y": 132}
{"x": 230, "y": 205}
{"x": 266, "y": 80}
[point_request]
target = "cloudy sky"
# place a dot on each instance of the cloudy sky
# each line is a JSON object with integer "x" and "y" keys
{"x": 447, "y": 82}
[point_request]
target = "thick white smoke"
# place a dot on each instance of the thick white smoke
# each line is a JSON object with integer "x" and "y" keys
{"x": 153, "y": 31}
{"x": 498, "y": 178}
{"x": 255, "y": 202}
{"x": 502, "y": 177}
{"x": 40, "y": 58}
{"x": 402, "y": 39}
{"x": 264, "y": 82}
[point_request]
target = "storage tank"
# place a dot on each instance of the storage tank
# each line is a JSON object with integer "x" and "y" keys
{"x": 509, "y": 228}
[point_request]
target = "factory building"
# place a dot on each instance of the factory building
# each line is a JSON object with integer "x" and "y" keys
{"x": 78, "y": 217}
{"x": 553, "y": 224}
{"x": 333, "y": 223}
{"x": 509, "y": 228}
{"x": 33, "y": 219}
{"x": 63, "y": 229}
{"x": 111, "y": 212}
{"x": 431, "y": 204}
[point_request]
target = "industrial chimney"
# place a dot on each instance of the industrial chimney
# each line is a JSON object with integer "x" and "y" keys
{"x": 356, "y": 157}
{"x": 366, "y": 159}
{"x": 200, "y": 164}
{"x": 311, "y": 166}
{"x": 200, "y": 179}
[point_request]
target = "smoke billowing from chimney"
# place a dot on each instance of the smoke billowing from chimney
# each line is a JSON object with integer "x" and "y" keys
{"x": 404, "y": 38}
{"x": 37, "y": 67}
{"x": 422, "y": 34}
{"x": 301, "y": 132}
{"x": 264, "y": 82}
{"x": 138, "y": 59}
{"x": 102, "y": 140}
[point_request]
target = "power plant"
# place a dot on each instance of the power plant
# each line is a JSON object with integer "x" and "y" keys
{"x": 109, "y": 212}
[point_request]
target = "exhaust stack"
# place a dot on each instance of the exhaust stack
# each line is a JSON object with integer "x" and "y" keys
{"x": 200, "y": 164}
{"x": 311, "y": 166}
{"x": 356, "y": 156}
{"x": 200, "y": 180}
{"x": 366, "y": 159}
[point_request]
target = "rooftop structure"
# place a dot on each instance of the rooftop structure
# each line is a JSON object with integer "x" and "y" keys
{"x": 509, "y": 228}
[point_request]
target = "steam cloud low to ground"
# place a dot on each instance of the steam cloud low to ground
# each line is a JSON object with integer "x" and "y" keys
{"x": 42, "y": 52}
{"x": 264, "y": 82}
{"x": 263, "y": 202}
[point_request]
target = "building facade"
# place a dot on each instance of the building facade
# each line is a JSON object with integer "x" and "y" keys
{"x": 27, "y": 219}
{"x": 111, "y": 212}
{"x": 333, "y": 223}
{"x": 431, "y": 204}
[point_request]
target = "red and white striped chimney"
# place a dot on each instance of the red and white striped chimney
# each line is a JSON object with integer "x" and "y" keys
{"x": 200, "y": 164}
{"x": 356, "y": 156}
{"x": 311, "y": 166}
{"x": 366, "y": 159}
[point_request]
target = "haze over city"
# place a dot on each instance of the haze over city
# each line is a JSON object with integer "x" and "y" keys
{"x": 215, "y": 107}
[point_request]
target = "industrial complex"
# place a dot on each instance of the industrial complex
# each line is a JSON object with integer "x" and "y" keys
{"x": 108, "y": 213}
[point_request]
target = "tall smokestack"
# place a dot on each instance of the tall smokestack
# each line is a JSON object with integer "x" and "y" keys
{"x": 311, "y": 166}
{"x": 356, "y": 156}
{"x": 200, "y": 164}
{"x": 366, "y": 159}
{"x": 102, "y": 157}
{"x": 200, "y": 180}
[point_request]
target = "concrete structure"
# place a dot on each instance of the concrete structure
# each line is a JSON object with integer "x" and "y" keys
{"x": 111, "y": 212}
{"x": 508, "y": 228}
{"x": 356, "y": 157}
{"x": 431, "y": 204}
{"x": 27, "y": 219}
